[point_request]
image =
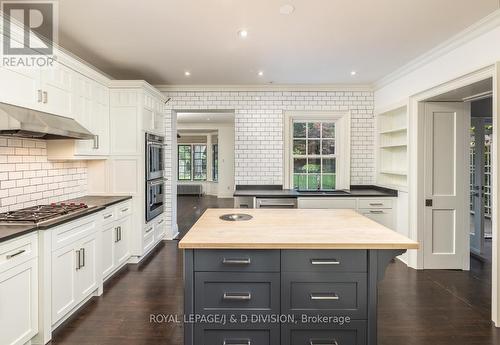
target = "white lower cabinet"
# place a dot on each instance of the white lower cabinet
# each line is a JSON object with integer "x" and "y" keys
{"x": 380, "y": 210}
{"x": 116, "y": 234}
{"x": 149, "y": 237}
{"x": 18, "y": 291}
{"x": 74, "y": 275}
{"x": 160, "y": 229}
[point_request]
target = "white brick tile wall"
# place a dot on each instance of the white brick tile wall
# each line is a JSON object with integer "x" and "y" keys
{"x": 259, "y": 127}
{"x": 27, "y": 178}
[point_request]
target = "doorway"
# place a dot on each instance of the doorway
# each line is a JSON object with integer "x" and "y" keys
{"x": 203, "y": 161}
{"x": 457, "y": 131}
{"x": 481, "y": 130}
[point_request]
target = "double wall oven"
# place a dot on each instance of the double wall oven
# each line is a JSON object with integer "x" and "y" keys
{"x": 155, "y": 181}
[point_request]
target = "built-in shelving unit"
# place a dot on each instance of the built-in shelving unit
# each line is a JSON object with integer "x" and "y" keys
{"x": 392, "y": 148}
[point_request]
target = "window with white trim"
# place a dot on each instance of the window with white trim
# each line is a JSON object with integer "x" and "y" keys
{"x": 317, "y": 147}
{"x": 313, "y": 155}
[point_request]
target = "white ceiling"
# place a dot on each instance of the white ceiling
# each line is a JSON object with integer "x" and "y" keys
{"x": 208, "y": 117}
{"x": 321, "y": 42}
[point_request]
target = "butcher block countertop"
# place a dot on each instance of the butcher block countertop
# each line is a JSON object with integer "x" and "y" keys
{"x": 292, "y": 229}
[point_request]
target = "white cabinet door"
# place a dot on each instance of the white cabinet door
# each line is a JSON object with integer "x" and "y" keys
{"x": 328, "y": 203}
{"x": 21, "y": 87}
{"x": 19, "y": 304}
{"x": 382, "y": 216}
{"x": 160, "y": 230}
{"x": 64, "y": 281}
{"x": 122, "y": 245}
{"x": 125, "y": 138}
{"x": 87, "y": 274}
{"x": 100, "y": 119}
{"x": 108, "y": 249}
{"x": 149, "y": 237}
{"x": 57, "y": 90}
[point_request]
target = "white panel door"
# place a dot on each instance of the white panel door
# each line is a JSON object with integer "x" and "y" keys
{"x": 19, "y": 304}
{"x": 21, "y": 87}
{"x": 122, "y": 246}
{"x": 64, "y": 280}
{"x": 446, "y": 150}
{"x": 57, "y": 86}
{"x": 87, "y": 274}
{"x": 108, "y": 249}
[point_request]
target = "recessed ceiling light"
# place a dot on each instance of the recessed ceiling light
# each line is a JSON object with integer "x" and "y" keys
{"x": 243, "y": 33}
{"x": 187, "y": 73}
{"x": 287, "y": 9}
{"x": 260, "y": 73}
{"x": 353, "y": 73}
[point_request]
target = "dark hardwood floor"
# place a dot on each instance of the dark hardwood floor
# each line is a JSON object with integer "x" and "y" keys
{"x": 190, "y": 208}
{"x": 432, "y": 307}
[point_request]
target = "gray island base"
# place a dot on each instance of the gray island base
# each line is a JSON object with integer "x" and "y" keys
{"x": 294, "y": 288}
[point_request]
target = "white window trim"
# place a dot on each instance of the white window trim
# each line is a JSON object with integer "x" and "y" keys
{"x": 342, "y": 143}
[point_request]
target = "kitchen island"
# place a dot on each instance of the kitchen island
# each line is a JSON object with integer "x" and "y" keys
{"x": 285, "y": 276}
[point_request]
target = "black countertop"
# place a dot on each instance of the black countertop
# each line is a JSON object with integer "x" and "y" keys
{"x": 354, "y": 191}
{"x": 95, "y": 203}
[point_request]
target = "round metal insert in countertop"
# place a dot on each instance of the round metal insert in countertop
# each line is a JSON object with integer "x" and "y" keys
{"x": 235, "y": 217}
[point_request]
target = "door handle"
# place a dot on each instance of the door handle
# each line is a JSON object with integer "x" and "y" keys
{"x": 245, "y": 261}
{"x": 45, "y": 97}
{"x": 82, "y": 251}
{"x": 428, "y": 202}
{"x": 116, "y": 235}
{"x": 325, "y": 262}
{"x": 40, "y": 96}
{"x": 15, "y": 254}
{"x": 236, "y": 342}
{"x": 236, "y": 296}
{"x": 119, "y": 233}
{"x": 329, "y": 296}
{"x": 96, "y": 142}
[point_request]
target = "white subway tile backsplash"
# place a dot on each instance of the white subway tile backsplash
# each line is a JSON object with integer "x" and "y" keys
{"x": 259, "y": 127}
{"x": 27, "y": 178}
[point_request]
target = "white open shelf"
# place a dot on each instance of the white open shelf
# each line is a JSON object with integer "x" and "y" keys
{"x": 392, "y": 148}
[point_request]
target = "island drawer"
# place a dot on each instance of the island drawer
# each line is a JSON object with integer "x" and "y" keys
{"x": 236, "y": 336}
{"x": 375, "y": 203}
{"x": 237, "y": 260}
{"x": 342, "y": 294}
{"x": 237, "y": 292}
{"x": 353, "y": 333}
{"x": 324, "y": 260}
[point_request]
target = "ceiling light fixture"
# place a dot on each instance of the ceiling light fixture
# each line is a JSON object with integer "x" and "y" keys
{"x": 260, "y": 73}
{"x": 187, "y": 73}
{"x": 287, "y": 9}
{"x": 243, "y": 33}
{"x": 354, "y": 73}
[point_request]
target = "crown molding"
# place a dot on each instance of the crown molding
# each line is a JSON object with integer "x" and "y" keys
{"x": 136, "y": 84}
{"x": 477, "y": 29}
{"x": 263, "y": 88}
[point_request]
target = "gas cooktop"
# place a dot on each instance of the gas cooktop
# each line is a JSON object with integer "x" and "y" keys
{"x": 42, "y": 213}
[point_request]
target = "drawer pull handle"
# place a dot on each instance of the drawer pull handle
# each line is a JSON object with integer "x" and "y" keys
{"x": 237, "y": 342}
{"x": 323, "y": 342}
{"x": 376, "y": 204}
{"x": 324, "y": 297}
{"x": 108, "y": 216}
{"x": 149, "y": 230}
{"x": 325, "y": 262}
{"x": 15, "y": 254}
{"x": 125, "y": 209}
{"x": 232, "y": 296}
{"x": 244, "y": 261}
{"x": 161, "y": 221}
{"x": 376, "y": 212}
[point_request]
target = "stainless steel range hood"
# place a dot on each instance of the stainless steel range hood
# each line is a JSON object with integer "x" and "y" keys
{"x": 28, "y": 123}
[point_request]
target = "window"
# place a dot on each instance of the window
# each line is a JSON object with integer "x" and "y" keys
{"x": 215, "y": 162}
{"x": 200, "y": 162}
{"x": 317, "y": 145}
{"x": 184, "y": 162}
{"x": 313, "y": 155}
{"x": 192, "y": 162}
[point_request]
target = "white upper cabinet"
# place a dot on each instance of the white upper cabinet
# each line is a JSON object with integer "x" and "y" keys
{"x": 56, "y": 87}
{"x": 21, "y": 87}
{"x": 48, "y": 90}
{"x": 153, "y": 115}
